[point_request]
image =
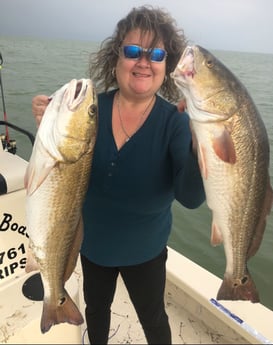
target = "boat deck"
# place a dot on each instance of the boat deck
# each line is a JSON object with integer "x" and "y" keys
{"x": 186, "y": 327}
{"x": 20, "y": 319}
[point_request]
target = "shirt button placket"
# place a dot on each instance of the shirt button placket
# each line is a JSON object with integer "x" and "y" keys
{"x": 111, "y": 169}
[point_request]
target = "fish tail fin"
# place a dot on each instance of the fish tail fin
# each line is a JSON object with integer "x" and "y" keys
{"x": 66, "y": 311}
{"x": 239, "y": 289}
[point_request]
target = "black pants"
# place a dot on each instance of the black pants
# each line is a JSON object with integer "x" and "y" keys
{"x": 145, "y": 284}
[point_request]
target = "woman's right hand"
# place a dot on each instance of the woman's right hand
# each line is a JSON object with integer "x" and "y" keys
{"x": 39, "y": 104}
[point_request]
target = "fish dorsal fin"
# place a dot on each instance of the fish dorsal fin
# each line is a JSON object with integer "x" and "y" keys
{"x": 223, "y": 147}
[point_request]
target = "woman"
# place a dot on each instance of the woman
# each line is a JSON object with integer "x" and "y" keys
{"x": 143, "y": 160}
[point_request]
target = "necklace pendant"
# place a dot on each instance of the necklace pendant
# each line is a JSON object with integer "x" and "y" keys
{"x": 128, "y": 137}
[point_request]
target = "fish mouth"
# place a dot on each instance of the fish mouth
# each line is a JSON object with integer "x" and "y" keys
{"x": 77, "y": 92}
{"x": 185, "y": 67}
{"x": 186, "y": 64}
{"x": 78, "y": 89}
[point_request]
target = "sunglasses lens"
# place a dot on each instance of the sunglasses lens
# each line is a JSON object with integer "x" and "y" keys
{"x": 135, "y": 52}
{"x": 157, "y": 55}
{"x": 132, "y": 52}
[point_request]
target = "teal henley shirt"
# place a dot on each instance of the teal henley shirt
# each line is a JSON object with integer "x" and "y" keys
{"x": 127, "y": 211}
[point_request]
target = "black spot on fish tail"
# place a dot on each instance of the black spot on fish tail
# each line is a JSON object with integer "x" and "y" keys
{"x": 241, "y": 289}
{"x": 62, "y": 301}
{"x": 244, "y": 280}
{"x": 66, "y": 311}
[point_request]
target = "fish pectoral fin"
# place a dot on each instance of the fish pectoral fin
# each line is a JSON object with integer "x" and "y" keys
{"x": 223, "y": 147}
{"x": 216, "y": 235}
{"x": 37, "y": 172}
{"x": 31, "y": 264}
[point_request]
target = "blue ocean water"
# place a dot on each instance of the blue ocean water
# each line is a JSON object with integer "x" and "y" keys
{"x": 32, "y": 66}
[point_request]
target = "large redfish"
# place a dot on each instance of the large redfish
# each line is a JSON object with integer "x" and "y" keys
{"x": 56, "y": 180}
{"x": 233, "y": 153}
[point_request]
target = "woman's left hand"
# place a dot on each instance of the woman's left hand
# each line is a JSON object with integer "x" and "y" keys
{"x": 182, "y": 105}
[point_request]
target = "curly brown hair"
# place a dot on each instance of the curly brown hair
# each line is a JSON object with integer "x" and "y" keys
{"x": 147, "y": 19}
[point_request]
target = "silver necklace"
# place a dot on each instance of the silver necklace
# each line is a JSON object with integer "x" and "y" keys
{"x": 128, "y": 137}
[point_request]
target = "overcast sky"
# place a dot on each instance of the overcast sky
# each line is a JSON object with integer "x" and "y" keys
{"x": 242, "y": 25}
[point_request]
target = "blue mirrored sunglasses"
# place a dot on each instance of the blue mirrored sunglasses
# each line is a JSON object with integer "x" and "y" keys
{"x": 135, "y": 52}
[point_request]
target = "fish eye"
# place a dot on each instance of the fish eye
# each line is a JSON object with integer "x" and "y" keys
{"x": 210, "y": 63}
{"x": 92, "y": 110}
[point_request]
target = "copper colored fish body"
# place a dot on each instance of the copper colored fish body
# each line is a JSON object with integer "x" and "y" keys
{"x": 233, "y": 154}
{"x": 56, "y": 181}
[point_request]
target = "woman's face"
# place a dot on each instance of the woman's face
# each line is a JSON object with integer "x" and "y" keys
{"x": 139, "y": 78}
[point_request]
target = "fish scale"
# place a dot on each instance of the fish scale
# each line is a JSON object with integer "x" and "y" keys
{"x": 56, "y": 180}
{"x": 233, "y": 154}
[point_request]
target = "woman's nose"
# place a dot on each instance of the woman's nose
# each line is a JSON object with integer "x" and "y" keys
{"x": 144, "y": 60}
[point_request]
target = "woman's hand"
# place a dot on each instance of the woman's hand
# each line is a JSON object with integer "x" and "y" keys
{"x": 39, "y": 104}
{"x": 182, "y": 105}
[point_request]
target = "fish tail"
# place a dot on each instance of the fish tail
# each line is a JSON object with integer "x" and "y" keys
{"x": 66, "y": 311}
{"x": 239, "y": 289}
